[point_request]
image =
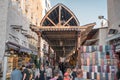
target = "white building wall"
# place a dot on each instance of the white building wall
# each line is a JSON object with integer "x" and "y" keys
{"x": 46, "y": 6}
{"x": 102, "y": 35}
{"x": 15, "y": 17}
{"x": 3, "y": 25}
{"x": 114, "y": 14}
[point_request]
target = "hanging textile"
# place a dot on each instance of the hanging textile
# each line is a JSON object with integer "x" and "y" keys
{"x": 98, "y": 62}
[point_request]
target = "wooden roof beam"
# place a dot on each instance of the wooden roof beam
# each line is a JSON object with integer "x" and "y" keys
{"x": 67, "y": 21}
{"x": 51, "y": 21}
{"x": 59, "y": 16}
{"x": 64, "y": 45}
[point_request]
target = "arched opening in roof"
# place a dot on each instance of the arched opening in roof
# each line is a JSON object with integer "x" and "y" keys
{"x": 59, "y": 15}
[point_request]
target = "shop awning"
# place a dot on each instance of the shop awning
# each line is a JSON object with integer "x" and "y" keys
{"x": 113, "y": 37}
{"x": 91, "y": 41}
{"x": 26, "y": 50}
{"x": 19, "y": 48}
{"x": 11, "y": 45}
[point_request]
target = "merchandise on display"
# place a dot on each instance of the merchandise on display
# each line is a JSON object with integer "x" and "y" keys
{"x": 98, "y": 62}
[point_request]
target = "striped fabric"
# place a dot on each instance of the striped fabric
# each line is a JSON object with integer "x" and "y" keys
{"x": 97, "y": 64}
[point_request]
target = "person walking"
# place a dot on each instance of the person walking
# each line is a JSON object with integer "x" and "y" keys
{"x": 48, "y": 73}
{"x": 26, "y": 73}
{"x": 79, "y": 75}
{"x": 69, "y": 72}
{"x": 42, "y": 73}
{"x": 60, "y": 73}
{"x": 16, "y": 74}
{"x": 74, "y": 75}
{"x": 56, "y": 75}
{"x": 37, "y": 74}
{"x": 118, "y": 72}
{"x": 66, "y": 76}
{"x": 30, "y": 72}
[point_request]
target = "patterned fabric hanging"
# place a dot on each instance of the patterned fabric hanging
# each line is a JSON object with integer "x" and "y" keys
{"x": 98, "y": 62}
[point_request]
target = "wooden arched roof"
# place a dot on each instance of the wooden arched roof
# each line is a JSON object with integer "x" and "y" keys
{"x": 60, "y": 28}
{"x": 60, "y": 15}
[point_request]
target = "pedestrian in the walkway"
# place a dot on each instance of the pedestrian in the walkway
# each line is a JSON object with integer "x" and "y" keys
{"x": 16, "y": 74}
{"x": 26, "y": 73}
{"x": 60, "y": 72}
{"x": 42, "y": 72}
{"x": 37, "y": 74}
{"x": 118, "y": 72}
{"x": 30, "y": 72}
{"x": 56, "y": 75}
{"x": 66, "y": 76}
{"x": 69, "y": 72}
{"x": 74, "y": 75}
{"x": 48, "y": 72}
{"x": 79, "y": 75}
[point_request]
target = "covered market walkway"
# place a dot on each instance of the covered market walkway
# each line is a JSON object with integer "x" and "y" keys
{"x": 62, "y": 30}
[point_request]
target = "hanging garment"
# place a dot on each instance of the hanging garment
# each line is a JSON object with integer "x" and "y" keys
{"x": 93, "y": 68}
{"x": 103, "y": 48}
{"x": 98, "y": 76}
{"x": 95, "y": 75}
{"x": 84, "y": 49}
{"x": 107, "y": 47}
{"x": 88, "y": 61}
{"x": 96, "y": 58}
{"x": 106, "y": 76}
{"x": 81, "y": 49}
{"x": 87, "y": 68}
{"x": 102, "y": 68}
{"x": 90, "y": 68}
{"x": 87, "y": 49}
{"x": 109, "y": 76}
{"x": 88, "y": 75}
{"x": 92, "y": 75}
{"x": 101, "y": 76}
{"x": 99, "y": 68}
{"x": 99, "y": 58}
{"x": 100, "y": 48}
{"x": 85, "y": 75}
{"x": 90, "y": 48}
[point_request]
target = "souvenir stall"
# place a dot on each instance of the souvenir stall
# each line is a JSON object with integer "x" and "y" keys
{"x": 15, "y": 59}
{"x": 98, "y": 62}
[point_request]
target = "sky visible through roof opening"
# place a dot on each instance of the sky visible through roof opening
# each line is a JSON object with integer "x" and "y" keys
{"x": 87, "y": 11}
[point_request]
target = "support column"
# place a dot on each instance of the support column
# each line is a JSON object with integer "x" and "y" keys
{"x": 78, "y": 49}
{"x": 49, "y": 53}
{"x": 39, "y": 43}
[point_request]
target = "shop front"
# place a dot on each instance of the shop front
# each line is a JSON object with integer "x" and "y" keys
{"x": 15, "y": 56}
{"x": 115, "y": 40}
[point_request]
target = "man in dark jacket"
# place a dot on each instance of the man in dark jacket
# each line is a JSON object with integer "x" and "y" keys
{"x": 118, "y": 72}
{"x": 26, "y": 73}
{"x": 74, "y": 75}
